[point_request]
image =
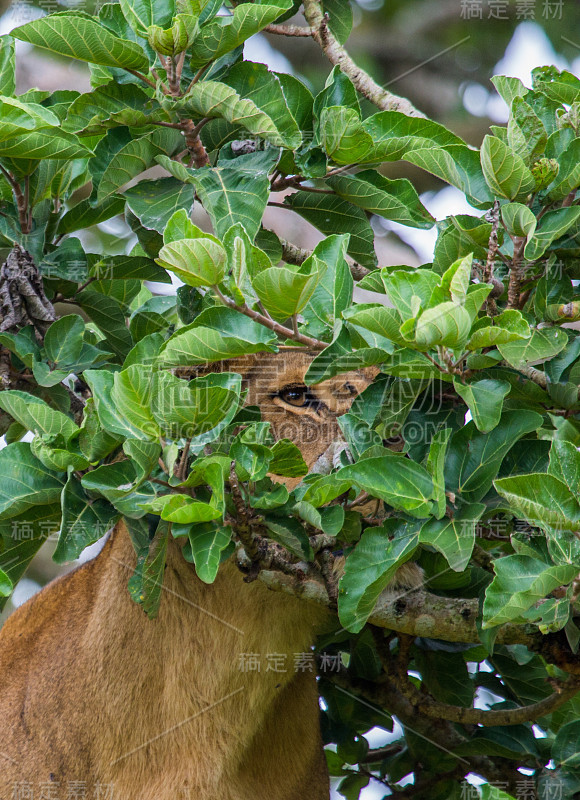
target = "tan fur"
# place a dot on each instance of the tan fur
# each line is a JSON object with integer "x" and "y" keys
{"x": 94, "y": 692}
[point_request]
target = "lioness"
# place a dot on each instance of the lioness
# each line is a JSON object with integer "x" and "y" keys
{"x": 97, "y": 695}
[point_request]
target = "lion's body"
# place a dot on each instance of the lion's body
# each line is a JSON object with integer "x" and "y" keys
{"x": 96, "y": 693}
{"x": 163, "y": 709}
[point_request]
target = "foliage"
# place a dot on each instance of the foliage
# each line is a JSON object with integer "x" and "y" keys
{"x": 478, "y": 372}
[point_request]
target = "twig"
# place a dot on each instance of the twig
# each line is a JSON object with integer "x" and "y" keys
{"x": 338, "y": 56}
{"x": 281, "y": 330}
{"x": 197, "y": 77}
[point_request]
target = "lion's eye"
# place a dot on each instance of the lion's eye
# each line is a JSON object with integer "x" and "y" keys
{"x": 296, "y": 396}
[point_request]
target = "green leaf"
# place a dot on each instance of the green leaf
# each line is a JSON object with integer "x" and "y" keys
{"x": 285, "y": 100}
{"x": 141, "y": 14}
{"x": 63, "y": 341}
{"x": 568, "y": 177}
{"x": 192, "y": 408}
{"x": 330, "y": 520}
{"x": 133, "y": 395}
{"x": 287, "y": 460}
{"x": 509, "y": 87}
{"x": 57, "y": 458}
{"x": 332, "y": 214}
{"x": 21, "y": 537}
{"x": 232, "y": 195}
{"x": 484, "y": 399}
{"x": 134, "y": 157}
{"x": 108, "y": 315}
{"x": 566, "y": 748}
{"x": 146, "y": 583}
{"x": 84, "y": 521}
{"x": 217, "y": 333}
{"x": 36, "y": 415}
{"x": 436, "y": 468}
{"x": 154, "y": 202}
{"x": 543, "y": 500}
{"x": 211, "y": 99}
{"x": 396, "y": 200}
{"x": 19, "y": 118}
{"x": 285, "y": 291}
{"x": 505, "y": 171}
{"x": 446, "y": 324}
{"x": 83, "y": 215}
{"x": 397, "y": 480}
{"x": 333, "y": 292}
{"x": 543, "y": 344}
{"x": 525, "y": 133}
{"x": 370, "y": 568}
{"x": 113, "y": 481}
{"x": 44, "y": 143}
{"x": 552, "y": 225}
{"x": 223, "y": 34}
{"x": 518, "y": 220}
{"x": 563, "y": 87}
{"x": 7, "y": 65}
{"x": 456, "y": 164}
{"x": 521, "y": 581}
{"x": 290, "y": 534}
{"x": 378, "y": 319}
{"x": 565, "y": 463}
{"x": 207, "y": 545}
{"x": 509, "y": 326}
{"x": 473, "y": 458}
{"x": 25, "y": 482}
{"x": 454, "y": 538}
{"x": 402, "y": 286}
{"x": 81, "y": 36}
{"x": 182, "y": 509}
{"x": 107, "y": 106}
{"x": 126, "y": 268}
{"x": 198, "y": 262}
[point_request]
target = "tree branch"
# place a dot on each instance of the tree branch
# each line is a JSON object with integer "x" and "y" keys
{"x": 397, "y": 668}
{"x": 338, "y": 56}
{"x": 492, "y": 248}
{"x": 268, "y": 322}
{"x": 289, "y": 30}
{"x": 298, "y": 255}
{"x": 516, "y": 272}
{"x": 416, "y": 613}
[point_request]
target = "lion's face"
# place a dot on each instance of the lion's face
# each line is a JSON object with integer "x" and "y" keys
{"x": 307, "y": 415}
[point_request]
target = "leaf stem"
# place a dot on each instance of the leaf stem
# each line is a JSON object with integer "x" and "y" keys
{"x": 144, "y": 78}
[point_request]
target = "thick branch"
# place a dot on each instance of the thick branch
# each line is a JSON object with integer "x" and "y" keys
{"x": 416, "y": 613}
{"x": 198, "y": 153}
{"x": 338, "y": 56}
